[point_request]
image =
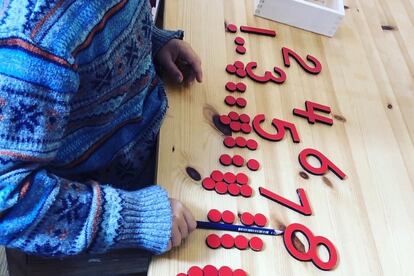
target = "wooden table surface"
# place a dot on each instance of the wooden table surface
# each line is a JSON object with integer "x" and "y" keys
{"x": 367, "y": 80}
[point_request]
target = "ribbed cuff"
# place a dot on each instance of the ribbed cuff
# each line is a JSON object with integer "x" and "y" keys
{"x": 138, "y": 219}
{"x": 161, "y": 37}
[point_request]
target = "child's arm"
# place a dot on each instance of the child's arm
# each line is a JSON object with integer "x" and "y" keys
{"x": 42, "y": 213}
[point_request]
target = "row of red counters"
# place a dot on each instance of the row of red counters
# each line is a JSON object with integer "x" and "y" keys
{"x": 210, "y": 270}
{"x": 231, "y": 101}
{"x": 232, "y": 87}
{"x": 228, "y": 241}
{"x": 248, "y": 219}
{"x": 216, "y": 216}
{"x": 240, "y": 142}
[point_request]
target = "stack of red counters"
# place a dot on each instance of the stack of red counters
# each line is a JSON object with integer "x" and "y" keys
{"x": 232, "y": 87}
{"x": 236, "y": 68}
{"x": 228, "y": 183}
{"x": 248, "y": 219}
{"x": 228, "y": 241}
{"x": 236, "y": 123}
{"x": 240, "y": 142}
{"x": 216, "y": 216}
{"x": 227, "y": 160}
{"x": 240, "y": 45}
{"x": 231, "y": 101}
{"x": 210, "y": 270}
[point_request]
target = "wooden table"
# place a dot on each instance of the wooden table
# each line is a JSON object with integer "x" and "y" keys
{"x": 367, "y": 80}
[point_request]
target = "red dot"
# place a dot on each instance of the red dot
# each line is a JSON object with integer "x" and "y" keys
{"x": 235, "y": 126}
{"x": 231, "y": 28}
{"x": 214, "y": 215}
{"x": 241, "y": 87}
{"x": 234, "y": 189}
{"x": 181, "y": 274}
{"x": 225, "y": 120}
{"x": 231, "y": 86}
{"x": 234, "y": 116}
{"x": 238, "y": 161}
{"x": 239, "y": 64}
{"x": 240, "y": 142}
{"x": 221, "y": 188}
{"x": 230, "y": 100}
{"x": 225, "y": 271}
{"x": 253, "y": 165}
{"x": 247, "y": 219}
{"x": 246, "y": 191}
{"x": 228, "y": 216}
{"x": 213, "y": 241}
{"x": 210, "y": 270}
{"x": 227, "y": 241}
{"x": 252, "y": 144}
{"x": 208, "y": 183}
{"x": 245, "y": 128}
{"x": 229, "y": 177}
{"x": 244, "y": 118}
{"x": 260, "y": 220}
{"x": 217, "y": 175}
{"x": 239, "y": 40}
{"x": 195, "y": 271}
{"x": 239, "y": 272}
{"x": 241, "y": 102}
{"x": 241, "y": 50}
{"x": 229, "y": 142}
{"x": 225, "y": 160}
{"x": 256, "y": 244}
{"x": 241, "y": 73}
{"x": 231, "y": 69}
{"x": 241, "y": 242}
{"x": 242, "y": 179}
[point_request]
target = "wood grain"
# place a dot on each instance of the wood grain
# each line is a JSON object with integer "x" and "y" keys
{"x": 367, "y": 80}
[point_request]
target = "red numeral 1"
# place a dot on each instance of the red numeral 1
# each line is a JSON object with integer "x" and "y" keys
{"x": 281, "y": 127}
{"x": 316, "y": 69}
{"x": 326, "y": 164}
{"x": 314, "y": 242}
{"x": 304, "y": 207}
{"x": 309, "y": 113}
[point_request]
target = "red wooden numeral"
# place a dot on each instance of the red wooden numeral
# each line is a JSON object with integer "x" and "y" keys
{"x": 309, "y": 113}
{"x": 268, "y": 76}
{"x": 326, "y": 164}
{"x": 304, "y": 207}
{"x": 281, "y": 127}
{"x": 314, "y": 242}
{"x": 316, "y": 69}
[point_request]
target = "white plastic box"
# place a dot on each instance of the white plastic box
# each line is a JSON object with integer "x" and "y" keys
{"x": 319, "y": 16}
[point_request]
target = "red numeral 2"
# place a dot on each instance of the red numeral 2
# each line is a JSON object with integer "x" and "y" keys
{"x": 326, "y": 164}
{"x": 316, "y": 69}
{"x": 314, "y": 242}
{"x": 281, "y": 127}
{"x": 304, "y": 207}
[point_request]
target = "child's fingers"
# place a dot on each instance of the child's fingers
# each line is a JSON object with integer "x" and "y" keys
{"x": 182, "y": 226}
{"x": 172, "y": 70}
{"x": 194, "y": 61}
{"x": 176, "y": 235}
{"x": 191, "y": 222}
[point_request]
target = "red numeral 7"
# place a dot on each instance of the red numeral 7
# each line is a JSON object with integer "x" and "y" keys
{"x": 304, "y": 207}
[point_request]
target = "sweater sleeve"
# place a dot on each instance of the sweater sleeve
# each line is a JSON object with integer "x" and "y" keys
{"x": 40, "y": 212}
{"x": 161, "y": 37}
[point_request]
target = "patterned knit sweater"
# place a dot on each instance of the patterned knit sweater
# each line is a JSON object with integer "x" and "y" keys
{"x": 80, "y": 107}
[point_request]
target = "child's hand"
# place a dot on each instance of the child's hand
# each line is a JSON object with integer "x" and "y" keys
{"x": 179, "y": 63}
{"x": 183, "y": 223}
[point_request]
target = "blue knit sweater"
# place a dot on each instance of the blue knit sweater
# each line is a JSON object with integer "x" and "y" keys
{"x": 80, "y": 107}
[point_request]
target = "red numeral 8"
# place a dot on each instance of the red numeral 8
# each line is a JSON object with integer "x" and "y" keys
{"x": 314, "y": 242}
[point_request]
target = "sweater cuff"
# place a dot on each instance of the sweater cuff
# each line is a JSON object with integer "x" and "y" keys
{"x": 137, "y": 219}
{"x": 161, "y": 37}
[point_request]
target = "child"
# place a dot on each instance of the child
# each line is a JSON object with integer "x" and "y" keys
{"x": 80, "y": 109}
